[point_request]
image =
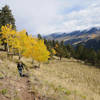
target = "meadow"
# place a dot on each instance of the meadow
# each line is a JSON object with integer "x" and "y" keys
{"x": 68, "y": 79}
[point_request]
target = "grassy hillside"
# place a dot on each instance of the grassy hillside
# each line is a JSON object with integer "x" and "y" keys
{"x": 68, "y": 79}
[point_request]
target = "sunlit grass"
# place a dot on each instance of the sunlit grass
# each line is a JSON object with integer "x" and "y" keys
{"x": 62, "y": 78}
{"x": 68, "y": 79}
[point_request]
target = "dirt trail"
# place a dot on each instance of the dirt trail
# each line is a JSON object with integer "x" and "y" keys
{"x": 23, "y": 88}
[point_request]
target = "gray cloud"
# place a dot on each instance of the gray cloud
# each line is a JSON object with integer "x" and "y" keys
{"x": 85, "y": 18}
{"x": 47, "y": 16}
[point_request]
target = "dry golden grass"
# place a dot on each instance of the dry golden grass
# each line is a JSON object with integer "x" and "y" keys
{"x": 60, "y": 80}
{"x": 67, "y": 79}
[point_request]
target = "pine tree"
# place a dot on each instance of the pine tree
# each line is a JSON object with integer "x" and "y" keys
{"x": 80, "y": 51}
{"x": 39, "y": 36}
{"x": 61, "y": 50}
{"x": 6, "y": 17}
{"x": 98, "y": 57}
{"x": 92, "y": 56}
{"x": 71, "y": 50}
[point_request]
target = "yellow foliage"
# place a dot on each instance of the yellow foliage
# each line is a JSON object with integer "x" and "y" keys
{"x": 53, "y": 51}
{"x": 25, "y": 45}
{"x": 7, "y": 35}
{"x": 7, "y": 32}
{"x": 37, "y": 50}
{"x": 41, "y": 53}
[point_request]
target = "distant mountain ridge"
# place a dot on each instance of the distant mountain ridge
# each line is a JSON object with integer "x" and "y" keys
{"x": 75, "y": 37}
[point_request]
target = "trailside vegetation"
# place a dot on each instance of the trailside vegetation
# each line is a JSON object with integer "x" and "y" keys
{"x": 24, "y": 45}
{"x": 80, "y": 52}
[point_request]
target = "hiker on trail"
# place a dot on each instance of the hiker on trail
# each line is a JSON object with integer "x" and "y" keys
{"x": 20, "y": 68}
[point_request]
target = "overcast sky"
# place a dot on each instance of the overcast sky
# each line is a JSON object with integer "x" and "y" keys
{"x": 49, "y": 16}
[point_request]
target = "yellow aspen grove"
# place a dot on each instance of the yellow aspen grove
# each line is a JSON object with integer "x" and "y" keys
{"x": 25, "y": 45}
{"x": 7, "y": 33}
{"x": 28, "y": 52}
{"x": 41, "y": 54}
{"x": 21, "y": 40}
{"x": 37, "y": 50}
{"x": 13, "y": 39}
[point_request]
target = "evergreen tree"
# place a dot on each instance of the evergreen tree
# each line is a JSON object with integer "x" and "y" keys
{"x": 80, "y": 52}
{"x": 98, "y": 57}
{"x": 61, "y": 50}
{"x": 92, "y": 56}
{"x": 53, "y": 43}
{"x": 39, "y": 36}
{"x": 6, "y": 17}
{"x": 70, "y": 50}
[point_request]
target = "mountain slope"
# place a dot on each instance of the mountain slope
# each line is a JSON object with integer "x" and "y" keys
{"x": 92, "y": 43}
{"x": 75, "y": 37}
